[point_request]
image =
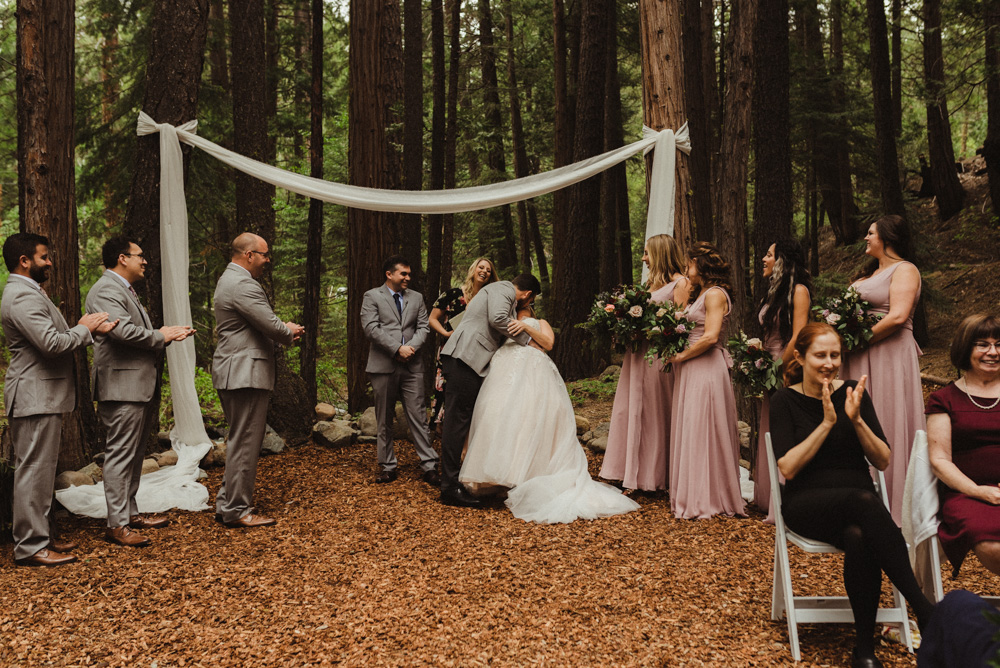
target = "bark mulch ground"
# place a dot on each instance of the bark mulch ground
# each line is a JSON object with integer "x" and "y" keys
{"x": 383, "y": 575}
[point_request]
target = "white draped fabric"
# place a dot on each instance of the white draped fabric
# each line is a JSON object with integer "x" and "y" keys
{"x": 176, "y": 487}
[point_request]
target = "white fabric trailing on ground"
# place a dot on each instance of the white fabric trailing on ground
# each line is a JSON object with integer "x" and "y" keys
{"x": 173, "y": 486}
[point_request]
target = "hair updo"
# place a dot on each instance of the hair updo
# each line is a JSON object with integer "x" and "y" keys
{"x": 712, "y": 267}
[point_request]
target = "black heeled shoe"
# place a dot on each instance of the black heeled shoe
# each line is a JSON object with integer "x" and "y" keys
{"x": 864, "y": 661}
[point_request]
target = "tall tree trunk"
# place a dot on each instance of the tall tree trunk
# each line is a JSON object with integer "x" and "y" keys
{"x": 616, "y": 249}
{"x": 438, "y": 139}
{"x": 991, "y": 146}
{"x": 947, "y": 187}
{"x": 897, "y": 66}
{"x": 173, "y": 76}
{"x": 712, "y": 100}
{"x": 823, "y": 124}
{"x": 562, "y": 122}
{"x": 772, "y": 208}
{"x": 109, "y": 97}
{"x": 500, "y": 230}
{"x": 663, "y": 93}
{"x": 451, "y": 137}
{"x": 375, "y": 84}
{"x": 885, "y": 138}
{"x": 413, "y": 133}
{"x": 576, "y": 279}
{"x": 254, "y": 97}
{"x": 47, "y": 187}
{"x": 699, "y": 119}
{"x": 217, "y": 56}
{"x": 732, "y": 190}
{"x": 314, "y": 236}
{"x": 521, "y": 167}
{"x": 848, "y": 231}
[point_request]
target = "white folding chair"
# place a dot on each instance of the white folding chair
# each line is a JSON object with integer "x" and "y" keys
{"x": 815, "y": 609}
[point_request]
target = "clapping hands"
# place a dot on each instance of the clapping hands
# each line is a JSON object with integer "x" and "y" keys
{"x": 852, "y": 404}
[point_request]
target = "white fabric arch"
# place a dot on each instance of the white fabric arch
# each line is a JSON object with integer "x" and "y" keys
{"x": 175, "y": 487}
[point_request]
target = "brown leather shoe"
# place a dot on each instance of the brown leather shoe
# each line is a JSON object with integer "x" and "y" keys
{"x": 432, "y": 478}
{"x": 125, "y": 537}
{"x": 387, "y": 476}
{"x": 251, "y": 520}
{"x": 148, "y": 521}
{"x": 62, "y": 546}
{"x": 46, "y": 557}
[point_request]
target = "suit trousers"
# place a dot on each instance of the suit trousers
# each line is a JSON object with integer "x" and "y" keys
{"x": 246, "y": 413}
{"x": 128, "y": 423}
{"x": 409, "y": 387}
{"x": 463, "y": 386}
{"x": 36, "y": 452}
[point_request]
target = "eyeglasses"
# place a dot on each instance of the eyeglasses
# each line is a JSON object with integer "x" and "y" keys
{"x": 266, "y": 254}
{"x": 984, "y": 346}
{"x": 138, "y": 255}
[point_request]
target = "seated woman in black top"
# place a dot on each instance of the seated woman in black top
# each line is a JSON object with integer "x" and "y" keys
{"x": 822, "y": 429}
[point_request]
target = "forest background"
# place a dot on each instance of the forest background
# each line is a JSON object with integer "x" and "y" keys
{"x": 807, "y": 117}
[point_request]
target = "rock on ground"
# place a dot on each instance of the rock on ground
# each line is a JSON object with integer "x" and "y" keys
{"x": 325, "y": 411}
{"x": 149, "y": 465}
{"x": 273, "y": 443}
{"x": 94, "y": 471}
{"x": 333, "y": 433}
{"x": 72, "y": 479}
{"x": 582, "y": 425}
{"x": 367, "y": 423}
{"x": 166, "y": 458}
{"x": 216, "y": 456}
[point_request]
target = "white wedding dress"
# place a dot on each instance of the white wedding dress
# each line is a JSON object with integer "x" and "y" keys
{"x": 523, "y": 436}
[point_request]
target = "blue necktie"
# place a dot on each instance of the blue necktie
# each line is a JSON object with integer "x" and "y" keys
{"x": 399, "y": 304}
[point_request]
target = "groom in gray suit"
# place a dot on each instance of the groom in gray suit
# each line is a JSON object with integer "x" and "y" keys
{"x": 124, "y": 381}
{"x": 40, "y": 387}
{"x": 243, "y": 371}
{"x": 395, "y": 321}
{"x": 465, "y": 360}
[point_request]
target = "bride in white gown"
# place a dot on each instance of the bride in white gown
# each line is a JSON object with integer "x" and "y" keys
{"x": 523, "y": 436}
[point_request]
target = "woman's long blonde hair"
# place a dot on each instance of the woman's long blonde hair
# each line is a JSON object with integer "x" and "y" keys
{"x": 665, "y": 259}
{"x": 468, "y": 286}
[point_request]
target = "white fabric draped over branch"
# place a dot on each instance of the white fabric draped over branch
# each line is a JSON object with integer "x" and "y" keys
{"x": 176, "y": 487}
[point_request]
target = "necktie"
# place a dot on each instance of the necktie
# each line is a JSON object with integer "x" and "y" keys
{"x": 134, "y": 293}
{"x": 399, "y": 304}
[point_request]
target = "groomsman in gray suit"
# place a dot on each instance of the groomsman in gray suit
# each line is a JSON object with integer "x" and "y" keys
{"x": 395, "y": 321}
{"x": 465, "y": 361}
{"x": 124, "y": 380}
{"x": 40, "y": 387}
{"x": 243, "y": 372}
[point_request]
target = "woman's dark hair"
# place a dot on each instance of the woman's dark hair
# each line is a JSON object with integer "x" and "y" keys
{"x": 974, "y": 328}
{"x": 712, "y": 267}
{"x": 894, "y": 232}
{"x": 808, "y": 334}
{"x": 789, "y": 271}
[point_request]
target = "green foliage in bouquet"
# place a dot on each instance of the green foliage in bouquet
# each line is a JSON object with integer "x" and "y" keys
{"x": 850, "y": 315}
{"x": 622, "y": 317}
{"x": 753, "y": 366}
{"x": 668, "y": 334}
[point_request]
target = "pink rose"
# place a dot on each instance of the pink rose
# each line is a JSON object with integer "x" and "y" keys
{"x": 680, "y": 329}
{"x": 609, "y": 308}
{"x": 635, "y": 311}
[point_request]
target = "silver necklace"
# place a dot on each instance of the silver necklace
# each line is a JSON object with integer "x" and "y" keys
{"x": 985, "y": 408}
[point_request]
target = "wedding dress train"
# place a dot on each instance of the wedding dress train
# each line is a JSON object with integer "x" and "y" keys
{"x": 523, "y": 436}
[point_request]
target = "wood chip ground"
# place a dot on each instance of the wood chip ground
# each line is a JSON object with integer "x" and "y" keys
{"x": 359, "y": 574}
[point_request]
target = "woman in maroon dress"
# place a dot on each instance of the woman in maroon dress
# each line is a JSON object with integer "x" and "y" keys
{"x": 963, "y": 436}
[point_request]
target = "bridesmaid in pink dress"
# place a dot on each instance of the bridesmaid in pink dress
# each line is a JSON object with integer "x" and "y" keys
{"x": 704, "y": 445}
{"x": 640, "y": 419}
{"x": 784, "y": 313}
{"x": 891, "y": 284}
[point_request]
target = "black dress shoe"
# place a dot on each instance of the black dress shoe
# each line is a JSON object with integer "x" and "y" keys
{"x": 387, "y": 476}
{"x": 432, "y": 478}
{"x": 864, "y": 661}
{"x": 460, "y": 497}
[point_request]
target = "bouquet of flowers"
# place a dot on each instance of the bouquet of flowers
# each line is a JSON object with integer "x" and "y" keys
{"x": 849, "y": 315}
{"x": 668, "y": 334}
{"x": 753, "y": 366}
{"x": 622, "y": 315}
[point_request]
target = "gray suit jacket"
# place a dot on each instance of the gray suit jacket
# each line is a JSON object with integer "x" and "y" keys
{"x": 386, "y": 330}
{"x": 125, "y": 360}
{"x": 247, "y": 329}
{"x": 41, "y": 378}
{"x": 483, "y": 328}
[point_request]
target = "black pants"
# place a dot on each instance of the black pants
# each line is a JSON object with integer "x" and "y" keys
{"x": 459, "y": 400}
{"x": 857, "y": 522}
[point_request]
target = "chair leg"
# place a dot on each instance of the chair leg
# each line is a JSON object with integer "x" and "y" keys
{"x": 788, "y": 598}
{"x": 777, "y": 590}
{"x": 905, "y": 635}
{"x": 934, "y": 548}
